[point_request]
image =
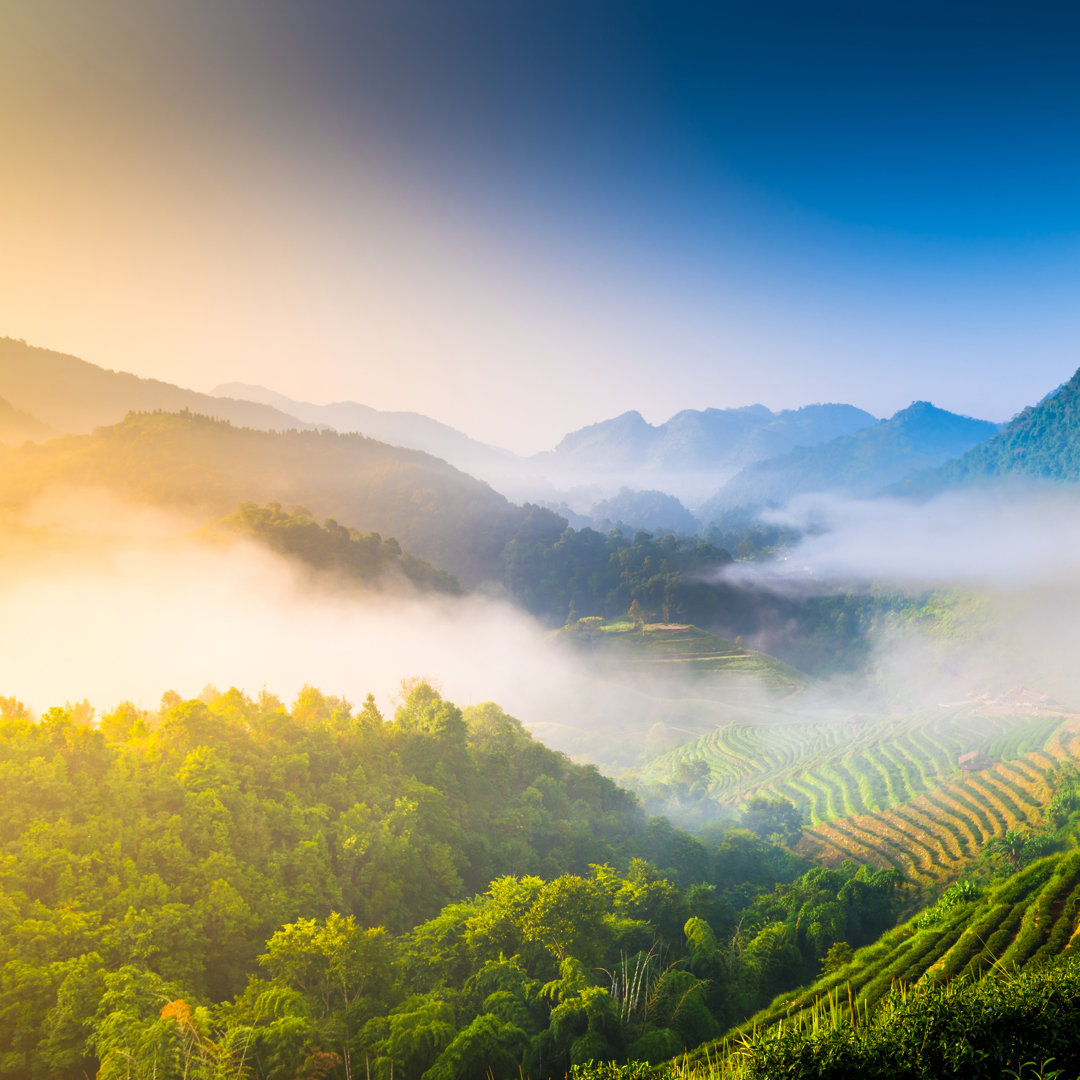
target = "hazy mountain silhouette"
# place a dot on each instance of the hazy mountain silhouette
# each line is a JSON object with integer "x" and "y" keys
{"x": 695, "y": 451}
{"x": 207, "y": 466}
{"x": 706, "y": 438}
{"x": 409, "y": 429}
{"x": 861, "y": 464}
{"x": 73, "y": 396}
{"x": 19, "y": 427}
{"x": 652, "y": 511}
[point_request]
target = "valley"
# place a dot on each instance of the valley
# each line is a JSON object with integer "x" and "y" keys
{"x": 716, "y": 792}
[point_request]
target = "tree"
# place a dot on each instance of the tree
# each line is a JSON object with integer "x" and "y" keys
{"x": 487, "y": 1047}
{"x": 772, "y": 817}
{"x": 335, "y": 965}
{"x": 839, "y": 955}
{"x": 1009, "y": 846}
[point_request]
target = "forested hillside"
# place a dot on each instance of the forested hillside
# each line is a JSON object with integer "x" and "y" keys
{"x": 227, "y": 885}
{"x": 348, "y": 554}
{"x": 1042, "y": 442}
{"x": 208, "y": 467}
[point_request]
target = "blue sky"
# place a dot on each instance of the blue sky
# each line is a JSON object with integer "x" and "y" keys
{"x": 523, "y": 216}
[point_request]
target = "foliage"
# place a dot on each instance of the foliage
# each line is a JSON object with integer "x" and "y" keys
{"x": 311, "y": 891}
{"x": 992, "y": 1029}
{"x": 361, "y": 557}
{"x": 1041, "y": 442}
{"x": 964, "y": 891}
{"x": 772, "y": 817}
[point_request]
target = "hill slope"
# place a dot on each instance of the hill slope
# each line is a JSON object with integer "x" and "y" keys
{"x": 73, "y": 396}
{"x": 685, "y": 655}
{"x": 409, "y": 429}
{"x": 209, "y": 466}
{"x": 653, "y": 511}
{"x": 920, "y": 793}
{"x": 1029, "y": 917}
{"x": 18, "y": 427}
{"x": 1040, "y": 443}
{"x": 859, "y": 464}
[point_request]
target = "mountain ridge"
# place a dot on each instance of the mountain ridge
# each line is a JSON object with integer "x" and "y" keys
{"x": 703, "y": 437}
{"x": 73, "y": 396}
{"x": 860, "y": 464}
{"x": 405, "y": 428}
{"x": 1042, "y": 442}
{"x": 437, "y": 512}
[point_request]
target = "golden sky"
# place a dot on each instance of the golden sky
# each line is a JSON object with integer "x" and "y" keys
{"x": 222, "y": 190}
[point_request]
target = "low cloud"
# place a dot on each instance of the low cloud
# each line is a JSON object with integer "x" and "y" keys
{"x": 1008, "y": 557}
{"x": 105, "y": 601}
{"x": 1010, "y": 538}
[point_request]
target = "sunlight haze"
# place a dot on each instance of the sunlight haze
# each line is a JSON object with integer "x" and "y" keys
{"x": 520, "y": 223}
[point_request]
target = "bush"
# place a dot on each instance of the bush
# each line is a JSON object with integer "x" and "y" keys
{"x": 986, "y": 1030}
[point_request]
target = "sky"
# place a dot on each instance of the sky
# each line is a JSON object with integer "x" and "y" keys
{"x": 523, "y": 216}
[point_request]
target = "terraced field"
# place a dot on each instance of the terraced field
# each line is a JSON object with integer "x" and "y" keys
{"x": 927, "y": 836}
{"x": 890, "y": 790}
{"x": 1031, "y": 916}
{"x": 1025, "y": 919}
{"x": 685, "y": 655}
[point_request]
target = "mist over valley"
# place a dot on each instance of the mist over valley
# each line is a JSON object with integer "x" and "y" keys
{"x": 539, "y": 541}
{"x": 849, "y": 676}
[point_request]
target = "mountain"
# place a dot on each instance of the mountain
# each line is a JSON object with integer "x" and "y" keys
{"x": 74, "y": 397}
{"x": 693, "y": 451}
{"x": 623, "y": 440}
{"x": 209, "y": 466}
{"x": 653, "y": 511}
{"x": 860, "y": 464}
{"x": 409, "y": 429}
{"x": 19, "y": 427}
{"x": 708, "y": 438}
{"x": 1040, "y": 443}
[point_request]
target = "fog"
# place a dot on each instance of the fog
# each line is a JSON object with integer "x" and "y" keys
{"x": 109, "y": 602}
{"x": 105, "y": 601}
{"x": 1008, "y": 557}
{"x": 1011, "y": 537}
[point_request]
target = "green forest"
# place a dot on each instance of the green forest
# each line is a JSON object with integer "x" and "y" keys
{"x": 225, "y": 887}
{"x": 229, "y": 888}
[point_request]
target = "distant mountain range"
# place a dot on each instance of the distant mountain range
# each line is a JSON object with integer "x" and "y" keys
{"x": 694, "y": 451}
{"x": 860, "y": 464}
{"x": 705, "y": 439}
{"x": 409, "y": 429}
{"x": 623, "y": 471}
